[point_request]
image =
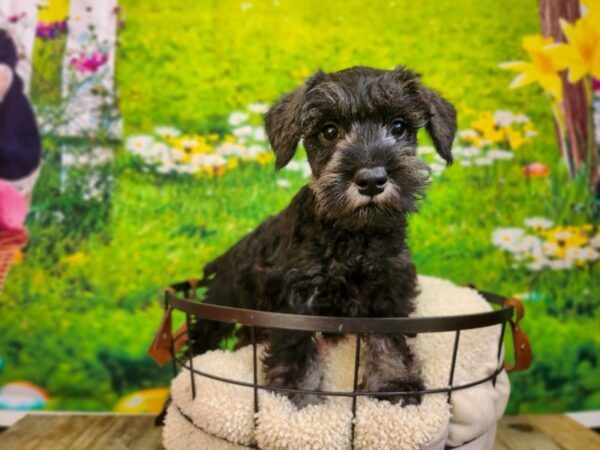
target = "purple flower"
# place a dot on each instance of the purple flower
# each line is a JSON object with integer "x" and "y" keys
{"x": 50, "y": 30}
{"x": 85, "y": 63}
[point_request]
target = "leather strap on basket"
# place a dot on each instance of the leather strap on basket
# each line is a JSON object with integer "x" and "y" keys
{"x": 164, "y": 342}
{"x": 522, "y": 348}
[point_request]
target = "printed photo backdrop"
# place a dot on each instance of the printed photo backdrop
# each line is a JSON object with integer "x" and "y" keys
{"x": 174, "y": 167}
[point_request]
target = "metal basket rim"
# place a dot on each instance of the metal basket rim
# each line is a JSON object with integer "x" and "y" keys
{"x": 336, "y": 325}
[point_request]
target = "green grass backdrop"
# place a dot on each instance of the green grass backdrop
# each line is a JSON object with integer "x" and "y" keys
{"x": 79, "y": 325}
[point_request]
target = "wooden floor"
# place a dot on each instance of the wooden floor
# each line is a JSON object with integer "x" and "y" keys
{"x": 130, "y": 432}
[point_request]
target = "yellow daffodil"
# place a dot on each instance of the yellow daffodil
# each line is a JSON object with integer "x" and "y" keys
{"x": 581, "y": 53}
{"x": 593, "y": 9}
{"x": 542, "y": 67}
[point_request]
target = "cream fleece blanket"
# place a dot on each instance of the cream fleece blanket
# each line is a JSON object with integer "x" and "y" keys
{"x": 223, "y": 414}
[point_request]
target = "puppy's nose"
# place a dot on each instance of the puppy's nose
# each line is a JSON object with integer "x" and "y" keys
{"x": 371, "y": 181}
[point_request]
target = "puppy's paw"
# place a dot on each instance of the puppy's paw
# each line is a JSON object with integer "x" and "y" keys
{"x": 302, "y": 400}
{"x": 412, "y": 396}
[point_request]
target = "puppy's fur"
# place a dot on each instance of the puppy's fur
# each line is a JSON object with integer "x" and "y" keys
{"x": 335, "y": 251}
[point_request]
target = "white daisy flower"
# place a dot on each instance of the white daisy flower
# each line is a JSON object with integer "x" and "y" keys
{"x": 484, "y": 161}
{"x": 533, "y": 245}
{"x": 167, "y": 132}
{"x": 538, "y": 223}
{"x": 230, "y": 149}
{"x": 165, "y": 167}
{"x": 437, "y": 168}
{"x": 500, "y": 154}
{"x": 428, "y": 149}
{"x": 504, "y": 118}
{"x": 471, "y": 152}
{"x": 198, "y": 159}
{"x": 595, "y": 241}
{"x": 560, "y": 264}
{"x": 293, "y": 166}
{"x": 159, "y": 150}
{"x": 177, "y": 155}
{"x": 259, "y": 134}
{"x": 538, "y": 264}
{"x": 283, "y": 183}
{"x": 243, "y": 132}
{"x": 237, "y": 118}
{"x": 589, "y": 254}
{"x": 574, "y": 254}
{"x": 215, "y": 160}
{"x": 468, "y": 134}
{"x": 258, "y": 108}
{"x": 521, "y": 118}
{"x": 137, "y": 143}
{"x": 507, "y": 238}
{"x": 531, "y": 133}
{"x": 550, "y": 248}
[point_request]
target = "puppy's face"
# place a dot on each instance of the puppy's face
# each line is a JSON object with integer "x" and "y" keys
{"x": 359, "y": 128}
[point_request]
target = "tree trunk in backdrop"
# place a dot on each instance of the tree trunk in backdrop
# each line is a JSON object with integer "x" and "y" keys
{"x": 575, "y": 103}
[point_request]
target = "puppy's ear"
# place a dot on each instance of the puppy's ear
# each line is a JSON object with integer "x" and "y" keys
{"x": 282, "y": 122}
{"x": 442, "y": 123}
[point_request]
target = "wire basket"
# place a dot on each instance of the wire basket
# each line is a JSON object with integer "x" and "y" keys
{"x": 10, "y": 244}
{"x": 183, "y": 297}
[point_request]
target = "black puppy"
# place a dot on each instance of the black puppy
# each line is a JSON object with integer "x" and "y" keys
{"x": 339, "y": 248}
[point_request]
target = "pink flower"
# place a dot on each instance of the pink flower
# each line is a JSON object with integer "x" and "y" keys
{"x": 16, "y": 17}
{"x": 89, "y": 63}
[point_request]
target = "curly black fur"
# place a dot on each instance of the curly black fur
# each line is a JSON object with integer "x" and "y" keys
{"x": 334, "y": 251}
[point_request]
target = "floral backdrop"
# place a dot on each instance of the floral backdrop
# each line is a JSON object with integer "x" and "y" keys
{"x": 173, "y": 167}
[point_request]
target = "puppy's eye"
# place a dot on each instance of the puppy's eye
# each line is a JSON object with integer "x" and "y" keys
{"x": 398, "y": 127}
{"x": 330, "y": 132}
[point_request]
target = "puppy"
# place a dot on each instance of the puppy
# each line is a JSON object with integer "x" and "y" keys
{"x": 339, "y": 248}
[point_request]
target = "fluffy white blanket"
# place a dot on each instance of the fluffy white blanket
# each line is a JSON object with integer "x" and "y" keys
{"x": 223, "y": 414}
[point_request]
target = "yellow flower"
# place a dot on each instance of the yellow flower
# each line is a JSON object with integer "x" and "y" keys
{"x": 514, "y": 138}
{"x": 541, "y": 69}
{"x": 213, "y": 137}
{"x": 56, "y": 11}
{"x": 264, "y": 158}
{"x": 486, "y": 126}
{"x": 232, "y": 163}
{"x": 581, "y": 53}
{"x": 75, "y": 259}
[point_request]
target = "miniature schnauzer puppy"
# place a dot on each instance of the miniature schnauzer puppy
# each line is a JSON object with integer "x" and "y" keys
{"x": 339, "y": 248}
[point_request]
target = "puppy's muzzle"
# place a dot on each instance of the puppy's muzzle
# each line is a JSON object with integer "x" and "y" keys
{"x": 371, "y": 181}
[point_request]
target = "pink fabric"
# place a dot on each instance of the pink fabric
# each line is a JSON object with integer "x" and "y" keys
{"x": 13, "y": 207}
